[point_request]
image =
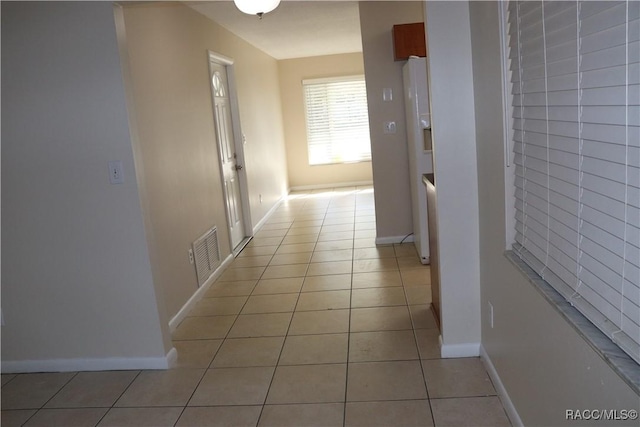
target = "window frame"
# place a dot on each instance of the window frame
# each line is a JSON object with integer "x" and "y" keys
{"x": 329, "y": 80}
{"x": 622, "y": 363}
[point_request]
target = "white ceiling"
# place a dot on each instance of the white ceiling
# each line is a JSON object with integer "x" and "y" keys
{"x": 295, "y": 29}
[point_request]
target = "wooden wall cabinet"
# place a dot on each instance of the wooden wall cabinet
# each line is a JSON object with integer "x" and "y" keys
{"x": 409, "y": 39}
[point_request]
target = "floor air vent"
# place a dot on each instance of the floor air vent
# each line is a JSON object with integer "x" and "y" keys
{"x": 207, "y": 255}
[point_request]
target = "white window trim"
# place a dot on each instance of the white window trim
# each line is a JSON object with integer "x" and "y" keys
{"x": 324, "y": 80}
{"x": 356, "y": 77}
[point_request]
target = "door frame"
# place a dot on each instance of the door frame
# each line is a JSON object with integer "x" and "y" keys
{"x": 238, "y": 144}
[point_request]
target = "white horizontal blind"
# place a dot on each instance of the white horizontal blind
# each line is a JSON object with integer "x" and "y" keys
{"x": 337, "y": 120}
{"x": 576, "y": 97}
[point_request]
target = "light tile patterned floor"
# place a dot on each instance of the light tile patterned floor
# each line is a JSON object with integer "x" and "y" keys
{"x": 312, "y": 325}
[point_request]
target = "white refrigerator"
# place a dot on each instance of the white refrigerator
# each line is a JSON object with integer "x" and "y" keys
{"x": 416, "y": 97}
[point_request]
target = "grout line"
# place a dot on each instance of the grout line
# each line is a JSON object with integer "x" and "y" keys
{"x": 284, "y": 342}
{"x": 11, "y": 379}
{"x": 415, "y": 338}
{"x": 298, "y": 211}
{"x": 59, "y": 390}
{"x": 43, "y": 405}
{"x": 120, "y": 396}
{"x": 466, "y": 397}
{"x": 217, "y": 351}
{"x": 237, "y": 316}
{"x": 346, "y": 385}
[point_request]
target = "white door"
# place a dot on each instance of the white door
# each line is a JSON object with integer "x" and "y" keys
{"x": 228, "y": 157}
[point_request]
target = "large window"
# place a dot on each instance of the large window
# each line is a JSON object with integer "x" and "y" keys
{"x": 575, "y": 73}
{"x": 337, "y": 120}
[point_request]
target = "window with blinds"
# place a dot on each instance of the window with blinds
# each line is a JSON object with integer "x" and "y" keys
{"x": 575, "y": 73}
{"x": 337, "y": 120}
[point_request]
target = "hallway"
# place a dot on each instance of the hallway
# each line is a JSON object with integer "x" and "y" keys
{"x": 312, "y": 324}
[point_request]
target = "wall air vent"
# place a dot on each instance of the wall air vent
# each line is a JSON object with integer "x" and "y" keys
{"x": 207, "y": 255}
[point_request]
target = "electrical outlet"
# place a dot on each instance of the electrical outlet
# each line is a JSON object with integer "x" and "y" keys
{"x": 491, "y": 315}
{"x": 191, "y": 256}
{"x": 389, "y": 127}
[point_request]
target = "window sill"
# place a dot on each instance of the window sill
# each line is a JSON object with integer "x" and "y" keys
{"x": 617, "y": 359}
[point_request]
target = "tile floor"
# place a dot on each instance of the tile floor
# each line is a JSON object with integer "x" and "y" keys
{"x": 312, "y": 324}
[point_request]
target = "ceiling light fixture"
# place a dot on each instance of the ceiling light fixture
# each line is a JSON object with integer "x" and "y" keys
{"x": 256, "y": 7}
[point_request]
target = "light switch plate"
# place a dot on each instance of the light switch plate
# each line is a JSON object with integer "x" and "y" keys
{"x": 387, "y": 94}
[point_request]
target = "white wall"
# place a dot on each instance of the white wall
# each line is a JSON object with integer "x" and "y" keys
{"x": 77, "y": 289}
{"x": 544, "y": 364}
{"x": 454, "y": 163}
{"x": 389, "y": 152}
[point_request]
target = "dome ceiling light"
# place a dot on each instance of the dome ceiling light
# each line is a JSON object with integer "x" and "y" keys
{"x": 256, "y": 7}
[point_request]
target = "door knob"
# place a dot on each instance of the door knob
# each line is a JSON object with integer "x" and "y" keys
{"x": 238, "y": 167}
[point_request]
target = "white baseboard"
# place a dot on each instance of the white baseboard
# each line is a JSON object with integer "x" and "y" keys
{"x": 172, "y": 357}
{"x": 265, "y": 218}
{"x": 508, "y": 405}
{"x": 97, "y": 364}
{"x": 394, "y": 239}
{"x": 335, "y": 185}
{"x": 450, "y": 351}
{"x": 197, "y": 296}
